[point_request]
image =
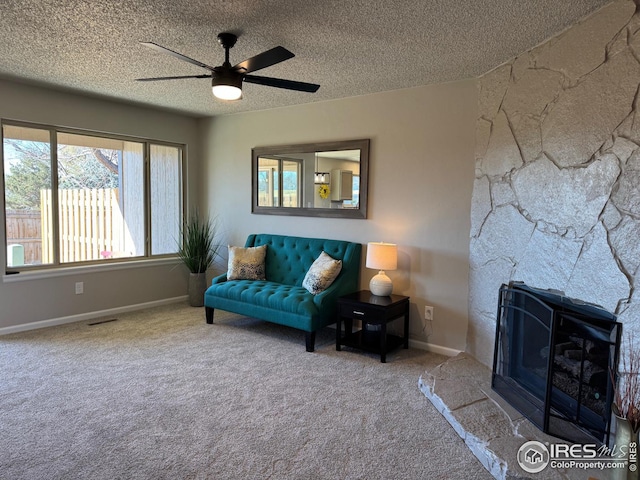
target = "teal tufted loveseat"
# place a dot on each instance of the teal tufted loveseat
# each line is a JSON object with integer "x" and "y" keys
{"x": 281, "y": 298}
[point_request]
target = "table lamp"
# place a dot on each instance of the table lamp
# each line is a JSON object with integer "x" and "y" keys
{"x": 381, "y": 256}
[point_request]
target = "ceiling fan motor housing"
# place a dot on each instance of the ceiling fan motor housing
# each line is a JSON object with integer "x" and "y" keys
{"x": 226, "y": 83}
{"x": 226, "y": 76}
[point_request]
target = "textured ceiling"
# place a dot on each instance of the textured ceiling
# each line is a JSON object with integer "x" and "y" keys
{"x": 349, "y": 47}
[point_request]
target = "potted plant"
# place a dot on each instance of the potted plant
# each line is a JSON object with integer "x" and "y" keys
{"x": 626, "y": 403}
{"x": 197, "y": 251}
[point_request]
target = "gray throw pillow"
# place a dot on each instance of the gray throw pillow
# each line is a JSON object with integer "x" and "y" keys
{"x": 322, "y": 273}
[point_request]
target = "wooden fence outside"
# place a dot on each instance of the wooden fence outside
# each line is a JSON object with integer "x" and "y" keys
{"x": 90, "y": 225}
{"x": 23, "y": 228}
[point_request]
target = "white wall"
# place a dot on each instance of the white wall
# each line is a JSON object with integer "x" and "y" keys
{"x": 35, "y": 300}
{"x": 421, "y": 177}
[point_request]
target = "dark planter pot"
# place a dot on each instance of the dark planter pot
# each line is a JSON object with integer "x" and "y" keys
{"x": 197, "y": 287}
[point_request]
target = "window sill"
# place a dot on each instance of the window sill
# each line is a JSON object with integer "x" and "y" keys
{"x": 78, "y": 270}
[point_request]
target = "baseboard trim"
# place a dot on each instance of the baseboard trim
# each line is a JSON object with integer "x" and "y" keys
{"x": 89, "y": 315}
{"x": 430, "y": 347}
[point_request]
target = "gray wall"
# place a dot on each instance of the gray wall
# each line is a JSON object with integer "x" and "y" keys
{"x": 421, "y": 176}
{"x": 556, "y": 201}
{"x": 26, "y": 301}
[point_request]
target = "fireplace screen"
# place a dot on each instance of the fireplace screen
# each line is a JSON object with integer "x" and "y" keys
{"x": 552, "y": 361}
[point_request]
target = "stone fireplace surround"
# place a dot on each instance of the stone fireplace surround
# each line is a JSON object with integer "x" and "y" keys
{"x": 556, "y": 204}
{"x": 556, "y": 199}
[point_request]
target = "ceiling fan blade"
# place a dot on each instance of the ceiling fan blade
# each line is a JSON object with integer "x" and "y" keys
{"x": 264, "y": 60}
{"x": 280, "y": 83}
{"x": 172, "y": 78}
{"x": 184, "y": 58}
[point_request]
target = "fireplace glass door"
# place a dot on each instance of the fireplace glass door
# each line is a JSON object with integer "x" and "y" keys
{"x": 552, "y": 361}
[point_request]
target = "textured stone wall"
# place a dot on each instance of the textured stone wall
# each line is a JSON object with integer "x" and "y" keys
{"x": 556, "y": 199}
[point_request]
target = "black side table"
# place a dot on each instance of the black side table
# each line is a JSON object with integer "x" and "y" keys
{"x": 375, "y": 313}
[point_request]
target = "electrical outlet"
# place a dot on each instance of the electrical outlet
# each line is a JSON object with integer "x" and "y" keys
{"x": 428, "y": 313}
{"x": 79, "y": 288}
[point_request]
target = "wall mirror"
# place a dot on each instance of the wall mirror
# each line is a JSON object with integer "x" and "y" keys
{"x": 326, "y": 179}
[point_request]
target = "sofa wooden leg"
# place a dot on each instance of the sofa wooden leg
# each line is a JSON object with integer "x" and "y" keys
{"x": 310, "y": 339}
{"x": 208, "y": 313}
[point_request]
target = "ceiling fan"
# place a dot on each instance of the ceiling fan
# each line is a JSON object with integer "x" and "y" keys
{"x": 227, "y": 80}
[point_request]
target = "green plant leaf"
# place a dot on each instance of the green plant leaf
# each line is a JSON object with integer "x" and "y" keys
{"x": 196, "y": 248}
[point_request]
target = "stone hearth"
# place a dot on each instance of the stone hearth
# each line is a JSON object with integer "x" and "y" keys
{"x": 460, "y": 389}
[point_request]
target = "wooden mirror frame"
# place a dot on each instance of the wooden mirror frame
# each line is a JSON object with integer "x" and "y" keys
{"x": 284, "y": 150}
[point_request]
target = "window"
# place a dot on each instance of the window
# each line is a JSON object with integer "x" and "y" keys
{"x": 76, "y": 197}
{"x": 279, "y": 182}
{"x": 291, "y": 183}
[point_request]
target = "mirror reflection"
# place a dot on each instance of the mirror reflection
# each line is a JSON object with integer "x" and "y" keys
{"x": 322, "y": 179}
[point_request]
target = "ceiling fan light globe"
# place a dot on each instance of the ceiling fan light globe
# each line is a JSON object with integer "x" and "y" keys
{"x": 226, "y": 92}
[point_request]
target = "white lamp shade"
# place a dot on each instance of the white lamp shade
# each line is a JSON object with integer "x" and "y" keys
{"x": 321, "y": 178}
{"x": 382, "y": 256}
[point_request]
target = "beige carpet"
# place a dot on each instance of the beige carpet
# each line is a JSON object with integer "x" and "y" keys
{"x": 159, "y": 394}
